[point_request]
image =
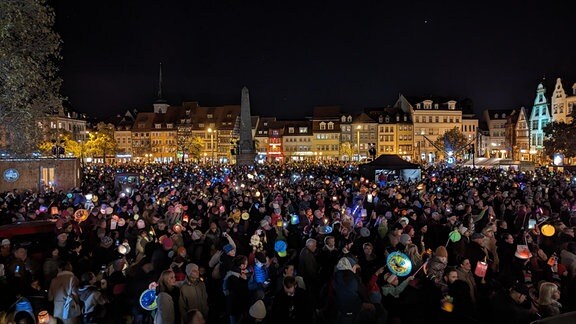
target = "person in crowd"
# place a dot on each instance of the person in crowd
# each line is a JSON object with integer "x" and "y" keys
{"x": 235, "y": 286}
{"x": 166, "y": 312}
{"x": 290, "y": 304}
{"x": 93, "y": 299}
{"x": 548, "y": 296}
{"x": 63, "y": 285}
{"x": 193, "y": 295}
{"x": 507, "y": 306}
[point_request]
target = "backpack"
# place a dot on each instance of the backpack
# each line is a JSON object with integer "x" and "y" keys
{"x": 225, "y": 282}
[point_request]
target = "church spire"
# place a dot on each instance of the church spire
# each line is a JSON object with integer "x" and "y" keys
{"x": 160, "y": 106}
{"x": 160, "y": 84}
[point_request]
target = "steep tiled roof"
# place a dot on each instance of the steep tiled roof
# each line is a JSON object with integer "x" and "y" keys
{"x": 326, "y": 112}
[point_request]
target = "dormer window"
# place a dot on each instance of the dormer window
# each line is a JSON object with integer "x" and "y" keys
{"x": 435, "y": 106}
{"x": 343, "y": 119}
{"x": 349, "y": 119}
{"x": 290, "y": 130}
{"x": 169, "y": 125}
{"x": 495, "y": 116}
{"x": 452, "y": 105}
{"x": 228, "y": 115}
{"x": 397, "y": 118}
{"x": 209, "y": 116}
{"x": 417, "y": 106}
{"x": 503, "y": 116}
{"x": 157, "y": 126}
{"x": 265, "y": 124}
{"x": 405, "y": 118}
{"x": 387, "y": 119}
{"x": 331, "y": 126}
{"x": 380, "y": 119}
{"x": 428, "y": 104}
{"x": 303, "y": 130}
{"x": 322, "y": 126}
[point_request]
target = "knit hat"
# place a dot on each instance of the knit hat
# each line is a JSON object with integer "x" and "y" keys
{"x": 190, "y": 267}
{"x": 227, "y": 248}
{"x": 404, "y": 238}
{"x": 477, "y": 236}
{"x": 441, "y": 251}
{"x": 258, "y": 310}
{"x": 345, "y": 263}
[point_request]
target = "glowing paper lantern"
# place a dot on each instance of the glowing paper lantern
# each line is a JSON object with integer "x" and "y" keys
{"x": 455, "y": 236}
{"x": 54, "y": 211}
{"x": 81, "y": 215}
{"x": 399, "y": 263}
{"x": 548, "y": 230}
{"x": 148, "y": 299}
{"x": 481, "y": 268}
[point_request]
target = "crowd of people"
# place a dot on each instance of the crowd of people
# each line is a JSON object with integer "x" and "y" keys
{"x": 294, "y": 243}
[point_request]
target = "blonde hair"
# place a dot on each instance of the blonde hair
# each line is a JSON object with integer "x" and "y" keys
{"x": 546, "y": 293}
{"x": 413, "y": 253}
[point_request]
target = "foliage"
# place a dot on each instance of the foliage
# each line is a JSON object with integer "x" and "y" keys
{"x": 451, "y": 141}
{"x": 195, "y": 146}
{"x": 29, "y": 85}
{"x": 188, "y": 144}
{"x": 65, "y": 138}
{"x": 347, "y": 149}
{"x": 560, "y": 138}
{"x": 101, "y": 142}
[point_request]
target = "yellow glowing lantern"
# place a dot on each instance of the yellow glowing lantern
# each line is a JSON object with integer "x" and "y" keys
{"x": 548, "y": 230}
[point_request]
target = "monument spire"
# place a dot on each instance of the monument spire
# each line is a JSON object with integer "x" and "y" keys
{"x": 246, "y": 151}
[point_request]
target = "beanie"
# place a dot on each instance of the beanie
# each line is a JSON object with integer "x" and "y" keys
{"x": 441, "y": 252}
{"x": 404, "y": 238}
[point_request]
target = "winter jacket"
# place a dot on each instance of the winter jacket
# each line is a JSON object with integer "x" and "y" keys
{"x": 193, "y": 296}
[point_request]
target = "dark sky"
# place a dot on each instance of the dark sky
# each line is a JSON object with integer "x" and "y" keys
{"x": 294, "y": 55}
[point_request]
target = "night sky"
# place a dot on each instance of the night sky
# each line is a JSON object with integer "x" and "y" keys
{"x": 294, "y": 55}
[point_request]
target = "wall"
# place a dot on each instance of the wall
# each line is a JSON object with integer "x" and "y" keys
{"x": 25, "y": 174}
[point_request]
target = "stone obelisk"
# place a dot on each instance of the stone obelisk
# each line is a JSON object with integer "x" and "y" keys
{"x": 246, "y": 151}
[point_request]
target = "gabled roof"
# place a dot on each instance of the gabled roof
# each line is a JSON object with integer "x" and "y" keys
{"x": 144, "y": 121}
{"x": 363, "y": 118}
{"x": 326, "y": 112}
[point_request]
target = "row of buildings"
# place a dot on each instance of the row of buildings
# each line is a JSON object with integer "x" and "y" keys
{"x": 407, "y": 128}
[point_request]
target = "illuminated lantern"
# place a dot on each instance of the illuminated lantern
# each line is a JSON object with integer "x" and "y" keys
{"x": 455, "y": 236}
{"x": 54, "y": 211}
{"x": 245, "y": 216}
{"x": 185, "y": 218}
{"x": 81, "y": 215}
{"x": 523, "y": 252}
{"x": 548, "y": 230}
{"x": 177, "y": 228}
{"x": 481, "y": 268}
{"x": 124, "y": 248}
{"x": 43, "y": 317}
{"x": 148, "y": 299}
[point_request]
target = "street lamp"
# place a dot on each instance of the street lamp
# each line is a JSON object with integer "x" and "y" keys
{"x": 212, "y": 131}
{"x": 358, "y": 128}
{"x": 148, "y": 156}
